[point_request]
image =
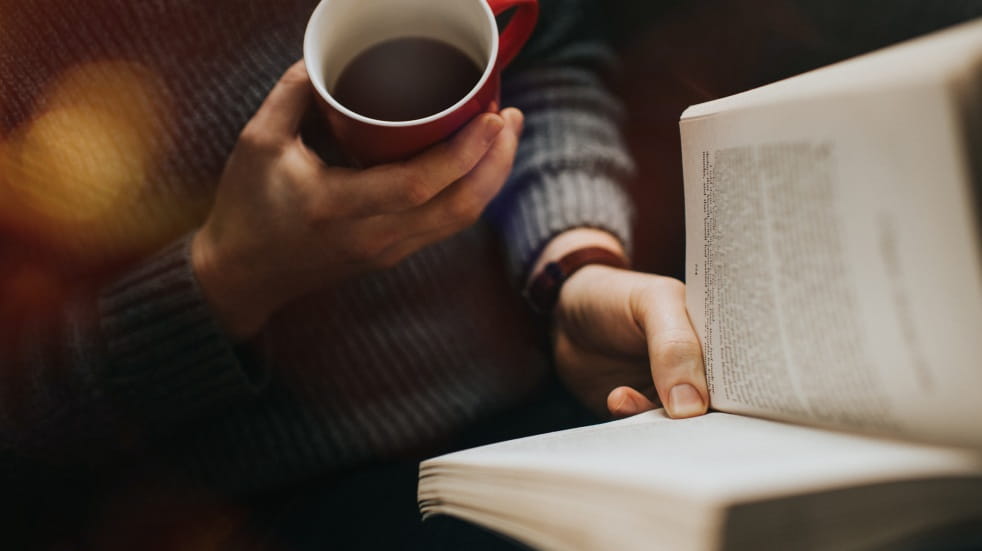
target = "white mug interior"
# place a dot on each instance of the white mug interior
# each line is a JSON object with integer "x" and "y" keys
{"x": 339, "y": 30}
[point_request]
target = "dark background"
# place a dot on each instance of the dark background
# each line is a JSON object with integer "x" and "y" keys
{"x": 678, "y": 53}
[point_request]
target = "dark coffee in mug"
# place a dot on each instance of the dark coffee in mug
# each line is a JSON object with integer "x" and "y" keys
{"x": 404, "y": 79}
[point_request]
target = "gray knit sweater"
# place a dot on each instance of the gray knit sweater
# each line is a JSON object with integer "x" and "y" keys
{"x": 130, "y": 357}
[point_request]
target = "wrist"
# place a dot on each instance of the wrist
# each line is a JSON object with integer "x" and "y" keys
{"x": 228, "y": 290}
{"x": 567, "y": 255}
{"x": 571, "y": 240}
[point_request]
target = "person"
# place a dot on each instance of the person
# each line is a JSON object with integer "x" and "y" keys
{"x": 303, "y": 320}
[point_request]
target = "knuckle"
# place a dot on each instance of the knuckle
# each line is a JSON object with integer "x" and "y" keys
{"x": 465, "y": 211}
{"x": 296, "y": 166}
{"x": 250, "y": 135}
{"x": 675, "y": 346}
{"x": 415, "y": 193}
{"x": 296, "y": 74}
{"x": 671, "y": 285}
{"x": 654, "y": 289}
{"x": 254, "y": 138}
{"x": 313, "y": 208}
{"x": 413, "y": 187}
{"x": 463, "y": 163}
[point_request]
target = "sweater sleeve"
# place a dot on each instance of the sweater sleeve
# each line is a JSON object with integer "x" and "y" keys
{"x": 139, "y": 357}
{"x": 572, "y": 162}
{"x": 167, "y": 358}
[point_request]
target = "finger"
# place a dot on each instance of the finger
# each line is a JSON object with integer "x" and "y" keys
{"x": 625, "y": 401}
{"x": 514, "y": 119}
{"x": 597, "y": 305}
{"x": 460, "y": 205}
{"x": 593, "y": 377}
{"x": 283, "y": 109}
{"x": 398, "y": 187}
{"x": 673, "y": 348}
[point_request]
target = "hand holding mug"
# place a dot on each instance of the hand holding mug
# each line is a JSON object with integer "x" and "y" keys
{"x": 285, "y": 224}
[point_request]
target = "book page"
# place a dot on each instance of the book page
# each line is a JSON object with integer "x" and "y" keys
{"x": 832, "y": 261}
{"x": 677, "y": 484}
{"x": 718, "y": 458}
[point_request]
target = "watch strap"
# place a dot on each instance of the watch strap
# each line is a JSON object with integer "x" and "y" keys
{"x": 543, "y": 292}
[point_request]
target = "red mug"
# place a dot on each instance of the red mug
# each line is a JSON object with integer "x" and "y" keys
{"x": 341, "y": 29}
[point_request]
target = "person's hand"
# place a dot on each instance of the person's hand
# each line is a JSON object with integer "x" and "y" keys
{"x": 284, "y": 223}
{"x": 623, "y": 340}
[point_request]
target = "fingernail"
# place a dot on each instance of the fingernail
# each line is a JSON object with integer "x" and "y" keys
{"x": 685, "y": 401}
{"x": 631, "y": 405}
{"x": 492, "y": 127}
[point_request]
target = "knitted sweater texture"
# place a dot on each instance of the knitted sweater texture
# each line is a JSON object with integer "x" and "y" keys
{"x": 116, "y": 118}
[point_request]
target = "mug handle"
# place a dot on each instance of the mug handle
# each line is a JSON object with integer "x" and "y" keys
{"x": 519, "y": 28}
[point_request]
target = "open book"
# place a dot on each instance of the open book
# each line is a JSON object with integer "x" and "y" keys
{"x": 834, "y": 277}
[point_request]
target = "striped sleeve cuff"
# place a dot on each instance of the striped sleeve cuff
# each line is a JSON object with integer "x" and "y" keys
{"x": 169, "y": 360}
{"x": 559, "y": 202}
{"x": 569, "y": 169}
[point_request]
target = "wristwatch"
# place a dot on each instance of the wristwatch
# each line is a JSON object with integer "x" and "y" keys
{"x": 543, "y": 292}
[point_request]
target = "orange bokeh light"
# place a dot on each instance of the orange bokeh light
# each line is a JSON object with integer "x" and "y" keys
{"x": 74, "y": 170}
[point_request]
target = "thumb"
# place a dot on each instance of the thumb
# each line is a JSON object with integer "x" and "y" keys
{"x": 284, "y": 107}
{"x": 674, "y": 352}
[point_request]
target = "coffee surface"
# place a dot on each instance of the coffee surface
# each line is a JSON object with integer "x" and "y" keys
{"x": 405, "y": 79}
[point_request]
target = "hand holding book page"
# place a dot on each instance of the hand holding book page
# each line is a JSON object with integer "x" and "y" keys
{"x": 628, "y": 331}
{"x": 833, "y": 262}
